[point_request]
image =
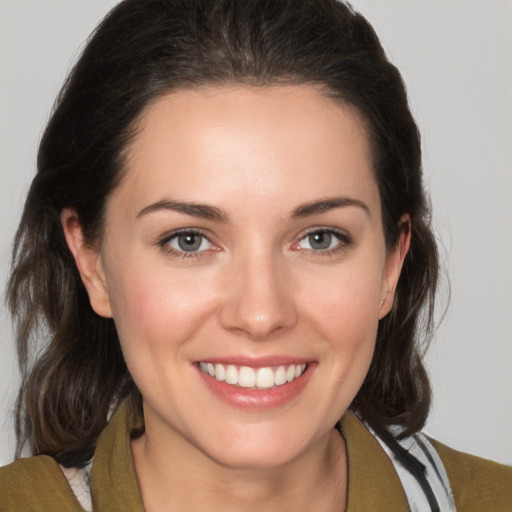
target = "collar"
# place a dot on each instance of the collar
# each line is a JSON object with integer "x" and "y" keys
{"x": 373, "y": 483}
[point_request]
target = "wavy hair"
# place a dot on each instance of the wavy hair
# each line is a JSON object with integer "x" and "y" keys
{"x": 71, "y": 363}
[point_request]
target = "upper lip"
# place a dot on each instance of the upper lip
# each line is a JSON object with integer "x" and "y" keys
{"x": 256, "y": 362}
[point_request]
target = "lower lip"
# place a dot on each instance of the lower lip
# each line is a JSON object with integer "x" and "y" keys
{"x": 258, "y": 399}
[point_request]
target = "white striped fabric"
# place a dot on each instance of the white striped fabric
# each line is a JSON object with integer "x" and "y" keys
{"x": 418, "y": 446}
{"x": 422, "y": 450}
{"x": 79, "y": 481}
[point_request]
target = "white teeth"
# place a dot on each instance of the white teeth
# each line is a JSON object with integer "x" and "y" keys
{"x": 265, "y": 378}
{"x": 220, "y": 372}
{"x": 299, "y": 370}
{"x": 280, "y": 376}
{"x": 247, "y": 377}
{"x": 231, "y": 374}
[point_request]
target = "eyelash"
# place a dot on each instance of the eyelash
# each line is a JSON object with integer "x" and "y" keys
{"x": 344, "y": 242}
{"x": 167, "y": 238}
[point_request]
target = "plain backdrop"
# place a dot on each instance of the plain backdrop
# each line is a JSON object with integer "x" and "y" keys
{"x": 456, "y": 59}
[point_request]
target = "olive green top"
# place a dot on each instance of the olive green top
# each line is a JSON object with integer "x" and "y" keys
{"x": 37, "y": 483}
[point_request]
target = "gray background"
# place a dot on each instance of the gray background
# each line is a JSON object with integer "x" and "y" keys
{"x": 455, "y": 56}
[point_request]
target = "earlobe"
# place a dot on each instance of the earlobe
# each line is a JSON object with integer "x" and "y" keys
{"x": 89, "y": 263}
{"x": 394, "y": 263}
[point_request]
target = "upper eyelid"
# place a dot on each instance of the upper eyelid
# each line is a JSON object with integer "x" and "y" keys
{"x": 345, "y": 240}
{"x": 176, "y": 232}
{"x": 164, "y": 242}
{"x": 336, "y": 231}
{"x": 339, "y": 232}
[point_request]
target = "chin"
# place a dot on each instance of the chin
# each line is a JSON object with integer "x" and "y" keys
{"x": 254, "y": 458}
{"x": 259, "y": 447}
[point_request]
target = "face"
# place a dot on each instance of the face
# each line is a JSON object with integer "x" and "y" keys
{"x": 244, "y": 264}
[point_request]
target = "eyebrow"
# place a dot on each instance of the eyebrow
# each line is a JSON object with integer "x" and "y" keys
{"x": 324, "y": 205}
{"x": 196, "y": 210}
{"x": 205, "y": 211}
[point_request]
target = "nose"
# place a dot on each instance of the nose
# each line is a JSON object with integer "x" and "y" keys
{"x": 259, "y": 299}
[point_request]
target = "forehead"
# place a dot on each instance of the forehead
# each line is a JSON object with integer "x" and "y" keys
{"x": 211, "y": 143}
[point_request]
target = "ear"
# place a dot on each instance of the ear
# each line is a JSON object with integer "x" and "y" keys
{"x": 394, "y": 262}
{"x": 88, "y": 261}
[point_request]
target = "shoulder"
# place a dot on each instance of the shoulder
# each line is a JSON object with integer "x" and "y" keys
{"x": 477, "y": 484}
{"x": 35, "y": 484}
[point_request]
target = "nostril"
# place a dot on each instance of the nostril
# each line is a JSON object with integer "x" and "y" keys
{"x": 257, "y": 323}
{"x": 257, "y": 304}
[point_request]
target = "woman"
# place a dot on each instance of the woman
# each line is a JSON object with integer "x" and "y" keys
{"x": 228, "y": 248}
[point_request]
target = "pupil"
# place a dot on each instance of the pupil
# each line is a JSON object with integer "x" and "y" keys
{"x": 320, "y": 240}
{"x": 189, "y": 242}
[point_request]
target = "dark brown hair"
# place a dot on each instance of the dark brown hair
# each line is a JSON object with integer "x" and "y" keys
{"x": 72, "y": 367}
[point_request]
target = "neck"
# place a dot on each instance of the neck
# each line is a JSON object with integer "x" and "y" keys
{"x": 173, "y": 478}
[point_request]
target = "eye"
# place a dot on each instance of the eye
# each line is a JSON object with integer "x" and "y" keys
{"x": 323, "y": 240}
{"x": 187, "y": 242}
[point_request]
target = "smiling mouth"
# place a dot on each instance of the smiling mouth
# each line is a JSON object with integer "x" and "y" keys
{"x": 254, "y": 378}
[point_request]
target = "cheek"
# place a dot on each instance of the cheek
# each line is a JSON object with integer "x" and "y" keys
{"x": 154, "y": 309}
{"x": 349, "y": 321}
{"x": 342, "y": 307}
{"x": 345, "y": 301}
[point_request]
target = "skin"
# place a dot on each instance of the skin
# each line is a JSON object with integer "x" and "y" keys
{"x": 257, "y": 287}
